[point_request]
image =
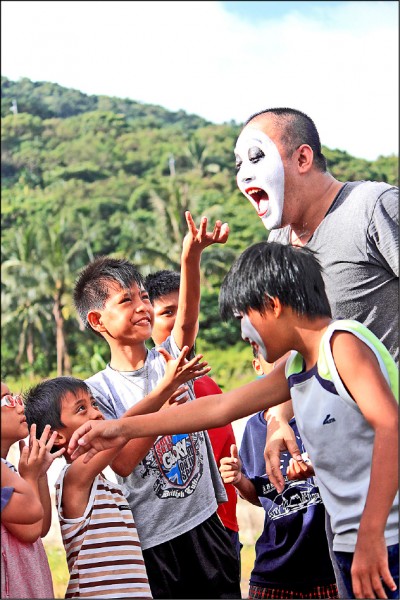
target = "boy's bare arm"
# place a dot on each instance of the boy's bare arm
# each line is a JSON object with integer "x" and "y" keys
{"x": 195, "y": 241}
{"x": 203, "y": 413}
{"x": 361, "y": 374}
{"x": 178, "y": 371}
{"x": 79, "y": 479}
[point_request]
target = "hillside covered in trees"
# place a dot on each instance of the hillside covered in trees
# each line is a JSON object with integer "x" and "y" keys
{"x": 89, "y": 175}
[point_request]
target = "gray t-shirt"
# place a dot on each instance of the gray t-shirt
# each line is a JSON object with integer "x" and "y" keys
{"x": 177, "y": 486}
{"x": 357, "y": 246}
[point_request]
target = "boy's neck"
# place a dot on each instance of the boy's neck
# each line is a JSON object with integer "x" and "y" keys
{"x": 309, "y": 335}
{"x": 128, "y": 358}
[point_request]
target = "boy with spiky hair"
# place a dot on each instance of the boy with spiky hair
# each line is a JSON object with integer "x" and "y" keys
{"x": 175, "y": 489}
{"x": 343, "y": 384}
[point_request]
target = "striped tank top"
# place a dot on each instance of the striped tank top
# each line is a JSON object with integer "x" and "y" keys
{"x": 103, "y": 550}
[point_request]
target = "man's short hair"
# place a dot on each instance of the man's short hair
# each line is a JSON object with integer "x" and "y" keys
{"x": 297, "y": 128}
{"x": 161, "y": 283}
{"x": 92, "y": 287}
{"x": 273, "y": 270}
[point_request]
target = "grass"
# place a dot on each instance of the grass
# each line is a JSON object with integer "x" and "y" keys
{"x": 59, "y": 569}
{"x": 58, "y": 566}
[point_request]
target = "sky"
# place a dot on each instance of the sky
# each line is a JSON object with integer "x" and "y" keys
{"x": 336, "y": 61}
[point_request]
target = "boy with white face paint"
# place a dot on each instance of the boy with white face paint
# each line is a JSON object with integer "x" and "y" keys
{"x": 352, "y": 227}
{"x": 344, "y": 386}
{"x": 292, "y": 556}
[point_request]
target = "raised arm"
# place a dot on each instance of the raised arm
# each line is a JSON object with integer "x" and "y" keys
{"x": 177, "y": 372}
{"x": 195, "y": 241}
{"x": 34, "y": 462}
{"x": 200, "y": 414}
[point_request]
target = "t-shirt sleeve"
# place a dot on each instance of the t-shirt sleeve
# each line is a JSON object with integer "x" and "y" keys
{"x": 171, "y": 346}
{"x": 106, "y": 407}
{"x": 383, "y": 231}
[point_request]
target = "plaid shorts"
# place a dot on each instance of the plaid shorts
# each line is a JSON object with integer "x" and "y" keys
{"x": 319, "y": 591}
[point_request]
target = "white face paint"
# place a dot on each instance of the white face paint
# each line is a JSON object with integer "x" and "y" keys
{"x": 260, "y": 175}
{"x": 251, "y": 335}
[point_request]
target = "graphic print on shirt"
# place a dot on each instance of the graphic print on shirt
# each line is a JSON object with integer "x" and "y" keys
{"x": 176, "y": 463}
{"x": 296, "y": 496}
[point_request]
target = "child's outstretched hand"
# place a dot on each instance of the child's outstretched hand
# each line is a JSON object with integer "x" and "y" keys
{"x": 231, "y": 467}
{"x": 36, "y": 458}
{"x": 94, "y": 436}
{"x": 180, "y": 370}
{"x": 201, "y": 238}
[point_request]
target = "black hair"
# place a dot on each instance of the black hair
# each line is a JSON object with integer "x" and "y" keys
{"x": 161, "y": 283}
{"x": 92, "y": 287}
{"x": 273, "y": 270}
{"x": 43, "y": 402}
{"x": 297, "y": 128}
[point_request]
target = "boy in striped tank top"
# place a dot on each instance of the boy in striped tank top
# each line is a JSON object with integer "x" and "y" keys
{"x": 102, "y": 545}
{"x": 344, "y": 387}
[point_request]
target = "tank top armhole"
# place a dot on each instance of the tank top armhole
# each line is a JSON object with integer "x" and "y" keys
{"x": 327, "y": 367}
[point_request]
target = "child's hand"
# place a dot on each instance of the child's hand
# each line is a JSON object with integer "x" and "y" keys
{"x": 370, "y": 569}
{"x": 94, "y": 436}
{"x": 36, "y": 458}
{"x": 230, "y": 467}
{"x": 300, "y": 470}
{"x": 179, "y": 370}
{"x": 200, "y": 238}
{"x": 180, "y": 396}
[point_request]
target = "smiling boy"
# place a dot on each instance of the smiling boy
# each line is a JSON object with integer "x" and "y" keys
{"x": 175, "y": 489}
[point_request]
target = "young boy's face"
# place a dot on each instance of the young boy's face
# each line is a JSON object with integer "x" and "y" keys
{"x": 127, "y": 315}
{"x": 13, "y": 421}
{"x": 262, "y": 332}
{"x": 165, "y": 310}
{"x": 75, "y": 411}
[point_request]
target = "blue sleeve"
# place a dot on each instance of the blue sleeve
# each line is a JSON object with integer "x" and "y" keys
{"x": 6, "y": 493}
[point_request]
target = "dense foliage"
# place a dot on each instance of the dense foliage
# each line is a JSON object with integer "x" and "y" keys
{"x": 89, "y": 175}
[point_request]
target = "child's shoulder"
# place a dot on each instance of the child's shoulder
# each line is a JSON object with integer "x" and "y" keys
{"x": 326, "y": 363}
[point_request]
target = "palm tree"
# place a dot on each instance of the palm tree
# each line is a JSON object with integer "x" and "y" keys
{"x": 42, "y": 267}
{"x": 21, "y": 300}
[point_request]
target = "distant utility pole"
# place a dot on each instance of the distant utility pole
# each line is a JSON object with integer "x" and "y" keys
{"x": 14, "y": 107}
{"x": 171, "y": 163}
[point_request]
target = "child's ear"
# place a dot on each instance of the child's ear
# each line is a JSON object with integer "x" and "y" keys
{"x": 60, "y": 440}
{"x": 94, "y": 320}
{"x": 275, "y": 305}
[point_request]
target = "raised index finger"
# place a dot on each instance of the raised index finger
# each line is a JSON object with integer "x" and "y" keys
{"x": 45, "y": 433}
